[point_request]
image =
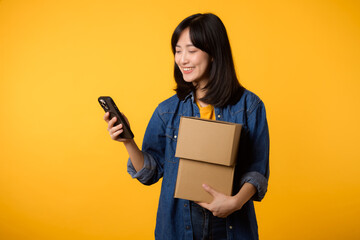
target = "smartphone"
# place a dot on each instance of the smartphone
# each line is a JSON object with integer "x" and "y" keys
{"x": 109, "y": 106}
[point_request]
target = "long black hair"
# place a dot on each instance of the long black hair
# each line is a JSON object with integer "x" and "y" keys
{"x": 208, "y": 33}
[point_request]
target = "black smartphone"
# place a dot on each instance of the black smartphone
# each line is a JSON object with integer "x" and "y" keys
{"x": 109, "y": 106}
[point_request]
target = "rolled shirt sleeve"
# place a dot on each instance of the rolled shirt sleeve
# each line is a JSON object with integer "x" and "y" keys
{"x": 146, "y": 174}
{"x": 259, "y": 181}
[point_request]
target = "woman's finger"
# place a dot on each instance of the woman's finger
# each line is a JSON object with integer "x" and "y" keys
{"x": 106, "y": 117}
{"x": 115, "y": 129}
{"x": 111, "y": 123}
{"x": 116, "y": 134}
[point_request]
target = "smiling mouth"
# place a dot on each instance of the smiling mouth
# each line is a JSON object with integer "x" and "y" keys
{"x": 188, "y": 69}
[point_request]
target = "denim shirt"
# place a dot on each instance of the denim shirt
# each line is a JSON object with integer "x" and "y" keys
{"x": 159, "y": 145}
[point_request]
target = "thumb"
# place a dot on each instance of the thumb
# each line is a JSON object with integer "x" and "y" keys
{"x": 209, "y": 190}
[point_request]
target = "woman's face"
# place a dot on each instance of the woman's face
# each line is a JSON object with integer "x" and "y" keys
{"x": 193, "y": 62}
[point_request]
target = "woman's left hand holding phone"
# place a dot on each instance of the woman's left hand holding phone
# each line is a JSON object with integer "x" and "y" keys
{"x": 115, "y": 131}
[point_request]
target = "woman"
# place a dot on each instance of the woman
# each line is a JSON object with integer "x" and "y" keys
{"x": 207, "y": 87}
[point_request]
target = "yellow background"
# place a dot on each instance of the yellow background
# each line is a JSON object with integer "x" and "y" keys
{"x": 62, "y": 177}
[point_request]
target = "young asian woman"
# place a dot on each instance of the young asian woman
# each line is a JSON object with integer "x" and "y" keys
{"x": 208, "y": 87}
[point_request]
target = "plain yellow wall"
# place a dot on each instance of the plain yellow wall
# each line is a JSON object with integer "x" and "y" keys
{"x": 62, "y": 177}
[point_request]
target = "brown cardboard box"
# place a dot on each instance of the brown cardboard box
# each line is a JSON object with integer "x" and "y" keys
{"x": 207, "y": 150}
{"x": 208, "y": 140}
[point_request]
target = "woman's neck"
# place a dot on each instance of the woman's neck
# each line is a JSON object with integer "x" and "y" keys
{"x": 200, "y": 93}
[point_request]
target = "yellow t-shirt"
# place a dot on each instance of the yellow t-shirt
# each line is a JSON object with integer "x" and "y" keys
{"x": 207, "y": 112}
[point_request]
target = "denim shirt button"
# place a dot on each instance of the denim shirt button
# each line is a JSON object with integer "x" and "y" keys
{"x": 175, "y": 136}
{"x": 230, "y": 227}
{"x": 219, "y": 116}
{"x": 187, "y": 227}
{"x": 185, "y": 205}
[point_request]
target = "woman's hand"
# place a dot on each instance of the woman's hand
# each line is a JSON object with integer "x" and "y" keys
{"x": 222, "y": 205}
{"x": 115, "y": 131}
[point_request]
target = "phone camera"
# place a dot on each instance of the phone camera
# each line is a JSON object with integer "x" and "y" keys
{"x": 103, "y": 104}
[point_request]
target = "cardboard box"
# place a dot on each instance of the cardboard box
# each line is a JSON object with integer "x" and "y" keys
{"x": 192, "y": 174}
{"x": 208, "y": 140}
{"x": 207, "y": 150}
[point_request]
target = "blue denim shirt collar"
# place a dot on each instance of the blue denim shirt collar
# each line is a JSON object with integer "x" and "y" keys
{"x": 190, "y": 95}
{"x": 218, "y": 111}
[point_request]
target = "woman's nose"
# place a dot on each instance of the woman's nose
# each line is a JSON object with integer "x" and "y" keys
{"x": 184, "y": 58}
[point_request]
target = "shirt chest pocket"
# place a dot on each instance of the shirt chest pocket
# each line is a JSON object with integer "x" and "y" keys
{"x": 171, "y": 141}
{"x": 171, "y": 134}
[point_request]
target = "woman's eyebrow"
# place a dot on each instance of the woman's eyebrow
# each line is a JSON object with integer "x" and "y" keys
{"x": 188, "y": 45}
